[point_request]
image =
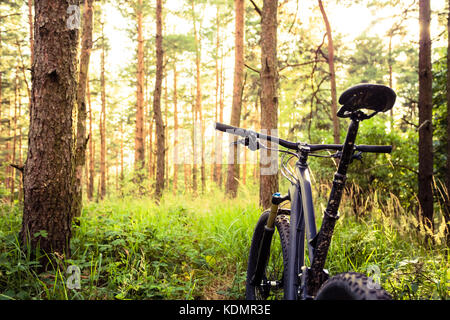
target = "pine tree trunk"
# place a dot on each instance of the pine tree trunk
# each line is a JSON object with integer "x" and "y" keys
{"x": 90, "y": 190}
{"x": 331, "y": 68}
{"x": 30, "y": 23}
{"x": 425, "y": 116}
{"x": 14, "y": 132}
{"x": 49, "y": 169}
{"x": 390, "y": 62}
{"x": 194, "y": 150}
{"x": 80, "y": 151}
{"x": 244, "y": 165}
{"x": 121, "y": 152}
{"x": 103, "y": 123}
{"x": 221, "y": 107}
{"x": 233, "y": 165}
{"x": 175, "y": 132}
{"x": 166, "y": 134}
{"x": 269, "y": 100}
{"x": 139, "y": 157}
{"x": 160, "y": 147}
{"x": 198, "y": 123}
{"x": 218, "y": 140}
{"x": 447, "y": 209}
{"x": 151, "y": 163}
{"x": 1, "y": 104}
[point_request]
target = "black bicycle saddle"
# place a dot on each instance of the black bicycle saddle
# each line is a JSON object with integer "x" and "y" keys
{"x": 374, "y": 97}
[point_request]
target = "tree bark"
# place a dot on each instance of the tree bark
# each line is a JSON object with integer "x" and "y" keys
{"x": 139, "y": 157}
{"x": 90, "y": 190}
{"x": 175, "y": 133}
{"x": 48, "y": 171}
{"x": 103, "y": 120}
{"x": 238, "y": 80}
{"x": 221, "y": 107}
{"x": 30, "y": 24}
{"x": 81, "y": 140}
{"x": 331, "y": 68}
{"x": 151, "y": 163}
{"x": 269, "y": 99}
{"x": 447, "y": 209}
{"x": 425, "y": 116}
{"x": 14, "y": 131}
{"x": 166, "y": 135}
{"x": 160, "y": 147}
{"x": 216, "y": 102}
{"x": 390, "y": 67}
{"x": 198, "y": 121}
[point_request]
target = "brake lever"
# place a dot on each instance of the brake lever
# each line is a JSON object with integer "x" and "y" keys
{"x": 251, "y": 141}
{"x": 357, "y": 156}
{"x": 338, "y": 155}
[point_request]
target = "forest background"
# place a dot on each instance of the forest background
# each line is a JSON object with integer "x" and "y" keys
{"x": 153, "y": 170}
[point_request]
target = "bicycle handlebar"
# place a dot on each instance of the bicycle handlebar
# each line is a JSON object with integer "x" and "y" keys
{"x": 245, "y": 133}
{"x": 295, "y": 145}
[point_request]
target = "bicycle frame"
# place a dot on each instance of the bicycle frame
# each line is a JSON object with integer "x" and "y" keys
{"x": 303, "y": 221}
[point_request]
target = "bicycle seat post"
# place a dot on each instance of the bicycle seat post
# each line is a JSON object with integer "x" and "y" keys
{"x": 331, "y": 211}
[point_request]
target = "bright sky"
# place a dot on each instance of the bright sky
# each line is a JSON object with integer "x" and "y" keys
{"x": 347, "y": 21}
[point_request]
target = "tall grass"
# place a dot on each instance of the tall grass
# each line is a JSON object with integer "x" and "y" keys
{"x": 196, "y": 248}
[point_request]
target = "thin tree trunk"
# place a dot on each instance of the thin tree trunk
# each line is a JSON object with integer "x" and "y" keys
{"x": 175, "y": 132}
{"x": 269, "y": 100}
{"x": 221, "y": 107}
{"x": 48, "y": 171}
{"x": 447, "y": 209}
{"x": 390, "y": 62}
{"x": 30, "y": 23}
{"x": 81, "y": 140}
{"x": 121, "y": 152}
{"x": 14, "y": 131}
{"x": 194, "y": 151}
{"x": 217, "y": 161}
{"x": 91, "y": 145}
{"x": 233, "y": 165}
{"x": 103, "y": 123}
{"x": 244, "y": 166}
{"x": 151, "y": 163}
{"x": 198, "y": 124}
{"x": 20, "y": 197}
{"x": 335, "y": 119}
{"x": 139, "y": 157}
{"x": 166, "y": 133}
{"x": 160, "y": 147}
{"x": 425, "y": 116}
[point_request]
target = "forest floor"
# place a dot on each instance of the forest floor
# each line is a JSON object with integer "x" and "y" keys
{"x": 196, "y": 248}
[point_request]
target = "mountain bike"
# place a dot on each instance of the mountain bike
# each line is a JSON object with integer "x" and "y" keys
{"x": 287, "y": 254}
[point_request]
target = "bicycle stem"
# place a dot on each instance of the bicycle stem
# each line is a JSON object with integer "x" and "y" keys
{"x": 314, "y": 278}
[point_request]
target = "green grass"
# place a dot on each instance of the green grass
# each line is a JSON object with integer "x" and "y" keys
{"x": 196, "y": 248}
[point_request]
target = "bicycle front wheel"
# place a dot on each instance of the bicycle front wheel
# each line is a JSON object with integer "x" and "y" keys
{"x": 272, "y": 286}
{"x": 351, "y": 286}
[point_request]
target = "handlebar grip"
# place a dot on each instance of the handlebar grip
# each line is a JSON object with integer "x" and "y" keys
{"x": 223, "y": 127}
{"x": 374, "y": 149}
{"x": 230, "y": 129}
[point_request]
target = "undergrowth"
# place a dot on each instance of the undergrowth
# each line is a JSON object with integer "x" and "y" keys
{"x": 196, "y": 248}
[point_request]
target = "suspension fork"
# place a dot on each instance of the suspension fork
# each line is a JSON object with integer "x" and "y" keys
{"x": 266, "y": 240}
{"x": 315, "y": 275}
